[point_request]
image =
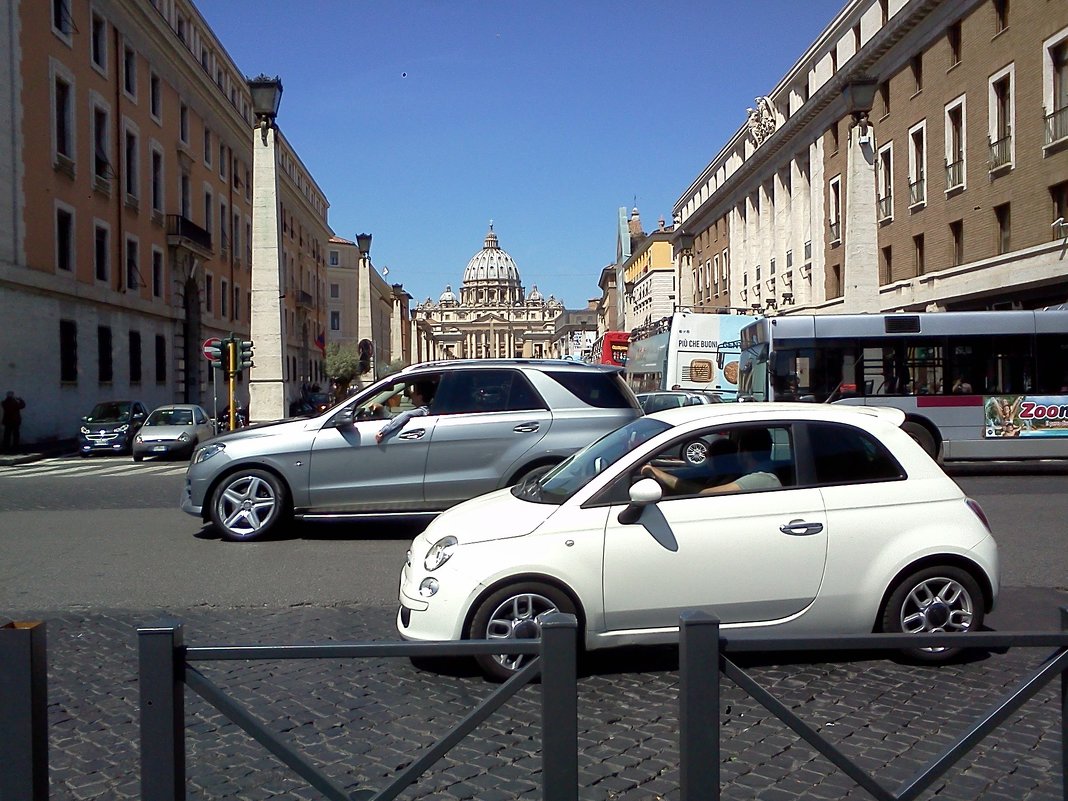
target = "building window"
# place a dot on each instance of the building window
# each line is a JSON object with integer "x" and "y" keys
{"x": 132, "y": 258}
{"x": 953, "y": 38}
{"x": 208, "y": 210}
{"x": 886, "y": 266}
{"x": 918, "y": 165}
{"x": 157, "y": 180}
{"x": 209, "y": 292}
{"x": 335, "y": 321}
{"x": 916, "y": 68}
{"x": 135, "y": 357}
{"x": 65, "y": 239}
{"x": 98, "y": 45}
{"x": 207, "y": 146}
{"x": 129, "y": 71}
{"x": 100, "y": 253}
{"x": 955, "y": 145}
{"x": 885, "y": 177}
{"x": 1003, "y": 222}
{"x": 237, "y": 303}
{"x": 63, "y": 122}
{"x": 183, "y": 123}
{"x": 62, "y": 25}
{"x": 884, "y": 96}
{"x": 101, "y": 163}
{"x": 335, "y": 258}
{"x": 155, "y": 97}
{"x": 833, "y": 137}
{"x": 1059, "y": 195}
{"x": 1001, "y": 15}
{"x": 224, "y": 297}
{"x": 834, "y": 210}
{"x": 223, "y": 161}
{"x": 1001, "y": 118}
{"x": 1056, "y": 88}
{"x": 335, "y": 291}
{"x": 918, "y": 261}
{"x": 131, "y": 157}
{"x": 104, "y": 368}
{"x": 68, "y": 351}
{"x": 161, "y": 359}
{"x": 834, "y": 289}
{"x": 956, "y": 235}
{"x": 157, "y": 273}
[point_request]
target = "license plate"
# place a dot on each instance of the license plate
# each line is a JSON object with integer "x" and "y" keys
{"x": 160, "y": 448}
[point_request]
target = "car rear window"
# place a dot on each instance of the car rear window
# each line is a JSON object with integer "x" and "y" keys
{"x": 846, "y": 455}
{"x": 603, "y": 390}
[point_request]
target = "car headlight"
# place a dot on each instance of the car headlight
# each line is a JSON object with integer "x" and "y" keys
{"x": 440, "y": 553}
{"x": 123, "y": 428}
{"x": 428, "y": 587}
{"x": 184, "y": 437}
{"x": 138, "y": 439}
{"x": 85, "y": 429}
{"x": 209, "y": 450}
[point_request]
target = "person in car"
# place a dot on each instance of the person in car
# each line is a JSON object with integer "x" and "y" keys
{"x": 421, "y": 394}
{"x": 720, "y": 460}
{"x": 754, "y": 454}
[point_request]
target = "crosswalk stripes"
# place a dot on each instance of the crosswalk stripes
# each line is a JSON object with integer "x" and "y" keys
{"x": 80, "y": 468}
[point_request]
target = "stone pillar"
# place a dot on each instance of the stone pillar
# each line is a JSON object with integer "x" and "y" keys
{"x": 860, "y": 288}
{"x": 364, "y": 323}
{"x": 267, "y": 389}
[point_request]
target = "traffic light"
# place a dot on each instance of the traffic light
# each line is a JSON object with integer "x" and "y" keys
{"x": 244, "y": 356}
{"x": 219, "y": 354}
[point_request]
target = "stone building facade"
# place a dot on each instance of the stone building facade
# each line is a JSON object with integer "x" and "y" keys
{"x": 492, "y": 317}
{"x": 126, "y": 222}
{"x": 943, "y": 192}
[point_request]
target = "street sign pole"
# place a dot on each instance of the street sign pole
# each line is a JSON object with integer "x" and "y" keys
{"x": 211, "y": 350}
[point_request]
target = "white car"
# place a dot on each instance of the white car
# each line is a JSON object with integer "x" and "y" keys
{"x": 803, "y": 519}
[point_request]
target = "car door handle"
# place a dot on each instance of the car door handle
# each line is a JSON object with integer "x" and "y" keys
{"x": 417, "y": 433}
{"x": 799, "y": 528}
{"x": 526, "y": 428}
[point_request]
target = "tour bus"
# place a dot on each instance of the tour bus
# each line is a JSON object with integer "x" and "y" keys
{"x": 610, "y": 348}
{"x": 973, "y": 385}
{"x": 687, "y": 350}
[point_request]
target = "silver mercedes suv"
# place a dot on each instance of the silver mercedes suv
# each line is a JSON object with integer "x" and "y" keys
{"x": 414, "y": 443}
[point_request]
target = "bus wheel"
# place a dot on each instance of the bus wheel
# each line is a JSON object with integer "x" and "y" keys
{"x": 922, "y": 436}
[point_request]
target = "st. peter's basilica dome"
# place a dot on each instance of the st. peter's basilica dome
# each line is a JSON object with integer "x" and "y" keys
{"x": 491, "y": 277}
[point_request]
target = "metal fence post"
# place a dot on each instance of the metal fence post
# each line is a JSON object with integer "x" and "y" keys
{"x": 1064, "y": 716}
{"x": 24, "y": 711}
{"x": 161, "y": 663}
{"x": 699, "y": 706}
{"x": 559, "y": 707}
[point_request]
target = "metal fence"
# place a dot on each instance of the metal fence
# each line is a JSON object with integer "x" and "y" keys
{"x": 167, "y": 666}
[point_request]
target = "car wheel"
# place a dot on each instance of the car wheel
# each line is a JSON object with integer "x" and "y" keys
{"x": 514, "y": 613}
{"x": 695, "y": 452}
{"x": 935, "y": 599}
{"x": 248, "y": 504}
{"x": 923, "y": 437}
{"x": 137, "y": 457}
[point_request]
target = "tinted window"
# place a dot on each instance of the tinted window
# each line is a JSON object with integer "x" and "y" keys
{"x": 842, "y": 454}
{"x": 473, "y": 391}
{"x": 601, "y": 389}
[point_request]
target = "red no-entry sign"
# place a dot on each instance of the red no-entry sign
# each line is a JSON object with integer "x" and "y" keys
{"x": 209, "y": 353}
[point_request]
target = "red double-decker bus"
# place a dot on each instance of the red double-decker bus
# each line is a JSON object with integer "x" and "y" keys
{"x": 610, "y": 348}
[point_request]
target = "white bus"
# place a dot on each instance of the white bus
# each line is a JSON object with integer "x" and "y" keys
{"x": 687, "y": 351}
{"x": 974, "y": 385}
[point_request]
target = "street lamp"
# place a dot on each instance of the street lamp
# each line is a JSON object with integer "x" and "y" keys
{"x": 266, "y": 98}
{"x": 859, "y": 96}
{"x": 363, "y": 242}
{"x": 267, "y": 384}
{"x": 364, "y": 322}
{"x": 684, "y": 242}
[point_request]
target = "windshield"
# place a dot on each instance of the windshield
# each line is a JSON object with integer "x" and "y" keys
{"x": 109, "y": 413}
{"x": 577, "y": 470}
{"x": 170, "y": 417}
{"x": 753, "y": 375}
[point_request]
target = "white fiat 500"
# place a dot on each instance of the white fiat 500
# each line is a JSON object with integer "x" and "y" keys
{"x": 802, "y": 519}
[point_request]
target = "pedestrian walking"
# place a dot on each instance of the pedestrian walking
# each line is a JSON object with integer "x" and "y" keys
{"x": 12, "y": 420}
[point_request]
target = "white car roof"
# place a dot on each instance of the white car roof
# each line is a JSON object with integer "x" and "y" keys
{"x": 755, "y": 412}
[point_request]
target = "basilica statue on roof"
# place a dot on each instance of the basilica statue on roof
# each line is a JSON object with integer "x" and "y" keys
{"x": 493, "y": 317}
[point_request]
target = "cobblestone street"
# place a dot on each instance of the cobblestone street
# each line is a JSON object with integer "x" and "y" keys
{"x": 364, "y": 720}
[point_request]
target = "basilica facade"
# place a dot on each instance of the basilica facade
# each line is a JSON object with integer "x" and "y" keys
{"x": 492, "y": 316}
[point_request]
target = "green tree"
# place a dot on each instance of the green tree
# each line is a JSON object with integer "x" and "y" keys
{"x": 342, "y": 365}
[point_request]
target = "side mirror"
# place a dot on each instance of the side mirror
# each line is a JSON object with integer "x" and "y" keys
{"x": 344, "y": 418}
{"x": 642, "y": 493}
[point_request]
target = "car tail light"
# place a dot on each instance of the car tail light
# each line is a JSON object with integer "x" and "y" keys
{"x": 975, "y": 507}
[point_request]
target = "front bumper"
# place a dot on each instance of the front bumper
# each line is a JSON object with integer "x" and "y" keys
{"x": 440, "y": 617}
{"x": 162, "y": 448}
{"x": 103, "y": 443}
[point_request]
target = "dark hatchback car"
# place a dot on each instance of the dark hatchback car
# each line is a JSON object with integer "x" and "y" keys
{"x": 110, "y": 427}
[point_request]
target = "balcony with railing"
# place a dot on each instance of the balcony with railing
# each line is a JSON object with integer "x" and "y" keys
{"x": 885, "y": 207}
{"x": 1057, "y": 125}
{"x": 305, "y": 301}
{"x": 1001, "y": 151}
{"x": 954, "y": 175}
{"x": 918, "y": 191}
{"x": 183, "y": 232}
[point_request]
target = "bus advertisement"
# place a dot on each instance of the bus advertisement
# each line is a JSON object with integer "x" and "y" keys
{"x": 973, "y": 385}
{"x": 688, "y": 351}
{"x": 610, "y": 348}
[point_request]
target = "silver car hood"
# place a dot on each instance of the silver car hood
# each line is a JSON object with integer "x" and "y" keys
{"x": 269, "y": 429}
{"x": 512, "y": 518}
{"x": 166, "y": 432}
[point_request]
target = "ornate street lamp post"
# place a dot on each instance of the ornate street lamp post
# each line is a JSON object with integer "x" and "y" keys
{"x": 860, "y": 282}
{"x": 267, "y": 390}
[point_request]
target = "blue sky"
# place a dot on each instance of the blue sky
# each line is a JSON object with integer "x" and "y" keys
{"x": 423, "y": 121}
